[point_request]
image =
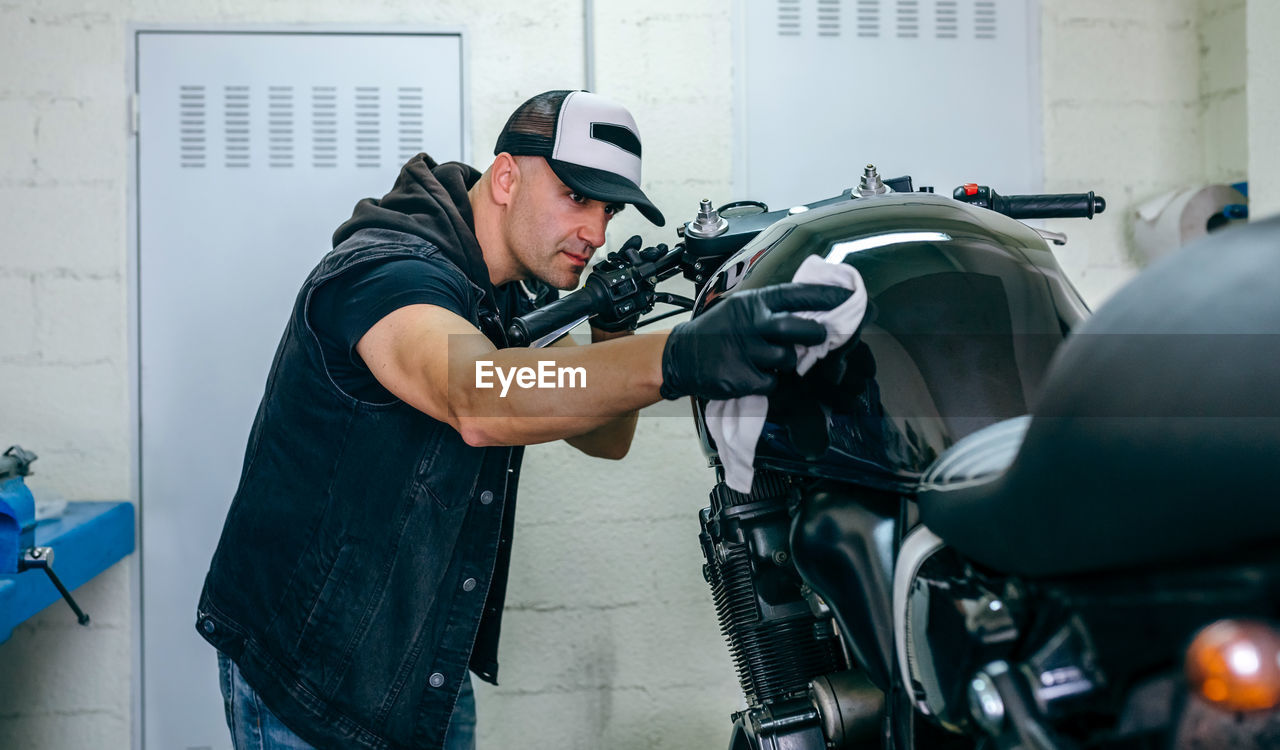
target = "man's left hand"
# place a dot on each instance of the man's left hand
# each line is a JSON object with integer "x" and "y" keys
{"x": 641, "y": 295}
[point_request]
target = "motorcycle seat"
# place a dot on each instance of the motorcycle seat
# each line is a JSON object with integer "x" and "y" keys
{"x": 1156, "y": 435}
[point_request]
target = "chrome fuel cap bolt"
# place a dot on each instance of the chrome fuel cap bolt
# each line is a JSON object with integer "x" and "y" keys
{"x": 871, "y": 184}
{"x": 708, "y": 223}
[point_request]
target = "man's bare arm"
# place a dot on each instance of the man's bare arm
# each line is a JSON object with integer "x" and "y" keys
{"x": 613, "y": 438}
{"x": 427, "y": 356}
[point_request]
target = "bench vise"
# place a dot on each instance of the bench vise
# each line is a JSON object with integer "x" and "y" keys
{"x": 17, "y": 509}
{"x": 18, "y": 550}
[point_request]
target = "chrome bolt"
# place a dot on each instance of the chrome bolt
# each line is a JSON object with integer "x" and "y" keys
{"x": 709, "y": 223}
{"x": 871, "y": 184}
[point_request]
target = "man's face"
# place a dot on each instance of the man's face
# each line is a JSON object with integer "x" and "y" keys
{"x": 551, "y": 230}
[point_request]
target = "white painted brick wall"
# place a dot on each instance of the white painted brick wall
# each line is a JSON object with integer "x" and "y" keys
{"x": 17, "y": 300}
{"x": 672, "y": 62}
{"x": 1141, "y": 97}
{"x": 67, "y": 687}
{"x": 1121, "y": 97}
{"x": 1263, "y": 62}
{"x": 63, "y": 369}
{"x": 1223, "y": 103}
{"x": 607, "y": 608}
{"x": 610, "y": 630}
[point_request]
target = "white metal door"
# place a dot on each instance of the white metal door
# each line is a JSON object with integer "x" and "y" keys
{"x": 252, "y": 148}
{"x": 944, "y": 90}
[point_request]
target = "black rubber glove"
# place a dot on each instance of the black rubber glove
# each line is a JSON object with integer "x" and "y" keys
{"x": 735, "y": 348}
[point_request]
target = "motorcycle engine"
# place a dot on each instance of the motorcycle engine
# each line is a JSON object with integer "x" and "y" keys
{"x": 779, "y": 634}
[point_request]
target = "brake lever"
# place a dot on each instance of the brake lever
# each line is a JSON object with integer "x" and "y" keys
{"x": 1057, "y": 238}
{"x": 633, "y": 256}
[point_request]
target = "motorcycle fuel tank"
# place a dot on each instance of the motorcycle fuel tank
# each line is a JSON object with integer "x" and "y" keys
{"x": 966, "y": 308}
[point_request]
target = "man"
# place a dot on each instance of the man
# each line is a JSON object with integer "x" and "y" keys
{"x": 362, "y": 567}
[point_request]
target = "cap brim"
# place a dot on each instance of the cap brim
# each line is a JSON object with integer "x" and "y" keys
{"x": 606, "y": 186}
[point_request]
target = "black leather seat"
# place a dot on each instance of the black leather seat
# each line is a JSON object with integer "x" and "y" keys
{"x": 1156, "y": 436}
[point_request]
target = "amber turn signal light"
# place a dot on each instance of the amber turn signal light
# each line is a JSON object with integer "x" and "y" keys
{"x": 1235, "y": 665}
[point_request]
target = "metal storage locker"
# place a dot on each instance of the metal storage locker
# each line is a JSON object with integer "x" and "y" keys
{"x": 947, "y": 91}
{"x": 252, "y": 147}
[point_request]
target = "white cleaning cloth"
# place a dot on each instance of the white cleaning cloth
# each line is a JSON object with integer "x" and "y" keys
{"x": 736, "y": 424}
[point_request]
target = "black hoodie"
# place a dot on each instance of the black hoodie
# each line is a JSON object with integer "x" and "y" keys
{"x": 429, "y": 200}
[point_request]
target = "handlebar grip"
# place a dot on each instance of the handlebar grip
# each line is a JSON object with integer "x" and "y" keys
{"x": 1054, "y": 206}
{"x": 544, "y": 320}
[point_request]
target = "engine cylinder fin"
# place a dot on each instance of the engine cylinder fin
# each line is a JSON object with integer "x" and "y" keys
{"x": 765, "y": 486}
{"x": 773, "y": 658}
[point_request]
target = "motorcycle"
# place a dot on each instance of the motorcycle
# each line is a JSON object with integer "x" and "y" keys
{"x": 991, "y": 519}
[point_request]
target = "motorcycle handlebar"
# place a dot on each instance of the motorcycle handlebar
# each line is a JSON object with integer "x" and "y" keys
{"x": 618, "y": 287}
{"x": 1049, "y": 206}
{"x": 1055, "y": 206}
{"x": 569, "y": 308}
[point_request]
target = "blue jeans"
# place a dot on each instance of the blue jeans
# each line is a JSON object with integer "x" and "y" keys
{"x": 254, "y": 727}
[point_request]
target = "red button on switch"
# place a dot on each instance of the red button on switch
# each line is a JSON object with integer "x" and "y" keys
{"x": 971, "y": 188}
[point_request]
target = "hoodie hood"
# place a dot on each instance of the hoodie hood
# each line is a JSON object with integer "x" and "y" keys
{"x": 428, "y": 200}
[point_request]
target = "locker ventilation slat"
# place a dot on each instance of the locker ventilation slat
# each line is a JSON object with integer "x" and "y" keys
{"x": 280, "y": 126}
{"x": 946, "y": 20}
{"x": 324, "y": 127}
{"x": 368, "y": 127}
{"x": 235, "y": 126}
{"x": 869, "y": 18}
{"x": 788, "y": 17}
{"x": 908, "y": 19}
{"x": 409, "y": 109}
{"x": 191, "y": 120}
{"x": 984, "y": 19}
{"x": 829, "y": 18}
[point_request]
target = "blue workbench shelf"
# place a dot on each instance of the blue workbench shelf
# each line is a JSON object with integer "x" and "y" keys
{"x": 87, "y": 538}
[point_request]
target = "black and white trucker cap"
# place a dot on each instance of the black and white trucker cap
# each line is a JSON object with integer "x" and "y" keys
{"x": 592, "y": 144}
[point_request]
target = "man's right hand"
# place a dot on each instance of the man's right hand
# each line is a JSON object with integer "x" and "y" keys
{"x": 736, "y": 347}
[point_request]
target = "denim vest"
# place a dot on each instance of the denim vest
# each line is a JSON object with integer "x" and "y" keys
{"x": 362, "y": 566}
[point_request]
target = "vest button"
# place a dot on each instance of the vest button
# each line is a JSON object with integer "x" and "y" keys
{"x": 436, "y": 679}
{"x": 486, "y": 497}
{"x": 208, "y": 626}
{"x": 469, "y": 584}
